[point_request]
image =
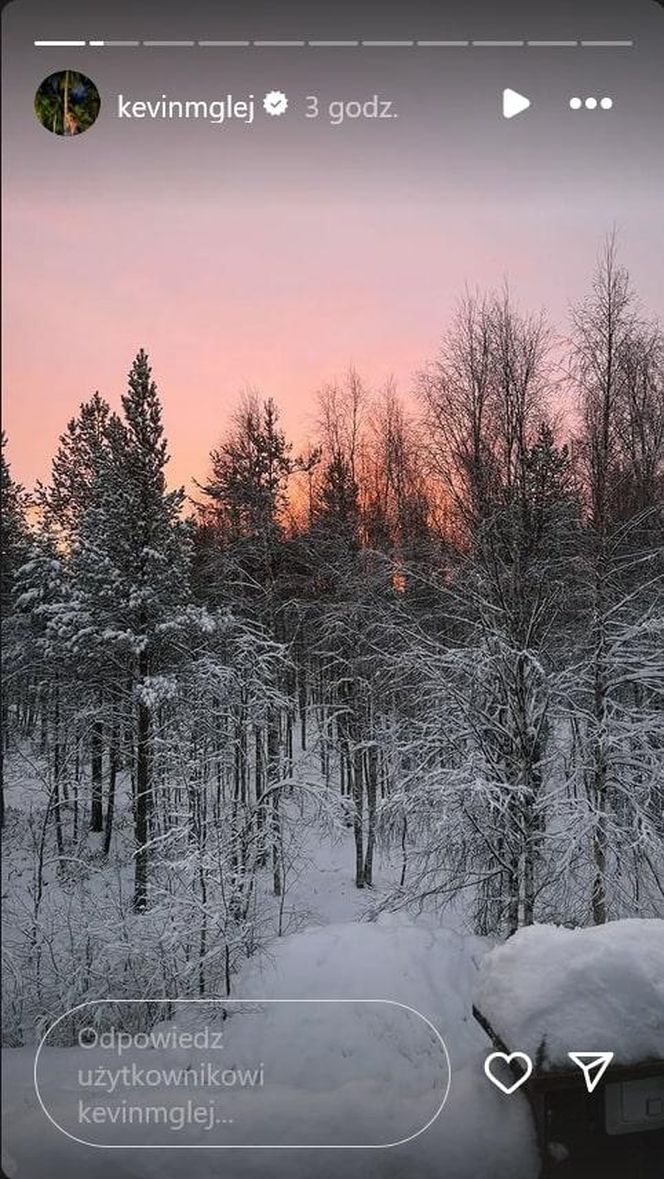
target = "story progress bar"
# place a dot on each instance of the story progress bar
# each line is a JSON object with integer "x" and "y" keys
{"x": 340, "y": 44}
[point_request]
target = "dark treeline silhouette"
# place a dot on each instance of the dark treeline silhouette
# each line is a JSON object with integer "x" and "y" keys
{"x": 439, "y": 627}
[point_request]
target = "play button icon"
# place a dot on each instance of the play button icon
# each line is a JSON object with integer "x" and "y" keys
{"x": 514, "y": 103}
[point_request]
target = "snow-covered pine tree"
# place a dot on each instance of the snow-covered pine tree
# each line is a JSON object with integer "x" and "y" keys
{"x": 246, "y": 498}
{"x": 75, "y": 466}
{"x": 131, "y": 584}
{"x": 340, "y": 613}
{"x": 78, "y": 467}
{"x": 15, "y": 542}
{"x": 43, "y": 591}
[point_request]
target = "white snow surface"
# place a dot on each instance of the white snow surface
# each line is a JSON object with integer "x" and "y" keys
{"x": 480, "y": 1134}
{"x": 597, "y": 989}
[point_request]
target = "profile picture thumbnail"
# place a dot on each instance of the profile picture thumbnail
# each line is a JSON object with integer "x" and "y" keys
{"x": 67, "y": 103}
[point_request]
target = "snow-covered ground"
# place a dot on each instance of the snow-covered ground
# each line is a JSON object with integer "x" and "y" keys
{"x": 480, "y": 1133}
{"x": 337, "y": 949}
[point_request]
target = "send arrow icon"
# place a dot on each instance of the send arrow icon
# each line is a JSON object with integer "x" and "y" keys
{"x": 593, "y": 1066}
{"x": 514, "y": 103}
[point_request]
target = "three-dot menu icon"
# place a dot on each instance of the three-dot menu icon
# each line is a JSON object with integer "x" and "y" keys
{"x": 591, "y": 103}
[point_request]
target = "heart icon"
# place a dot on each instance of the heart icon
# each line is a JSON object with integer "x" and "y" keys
{"x": 507, "y": 1059}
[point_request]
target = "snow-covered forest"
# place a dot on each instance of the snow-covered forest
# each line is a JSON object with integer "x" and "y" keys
{"x": 432, "y": 638}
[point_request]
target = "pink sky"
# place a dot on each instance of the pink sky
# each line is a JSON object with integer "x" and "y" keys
{"x": 275, "y": 257}
{"x": 283, "y": 301}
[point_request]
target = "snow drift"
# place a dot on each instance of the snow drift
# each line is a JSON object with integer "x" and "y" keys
{"x": 575, "y": 990}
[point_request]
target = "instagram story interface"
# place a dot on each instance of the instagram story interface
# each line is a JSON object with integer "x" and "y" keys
{"x": 333, "y": 591}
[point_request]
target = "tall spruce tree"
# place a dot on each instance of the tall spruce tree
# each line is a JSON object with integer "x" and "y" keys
{"x": 131, "y": 581}
{"x": 79, "y": 465}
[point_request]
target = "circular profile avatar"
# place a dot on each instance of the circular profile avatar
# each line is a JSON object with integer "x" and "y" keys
{"x": 67, "y": 103}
